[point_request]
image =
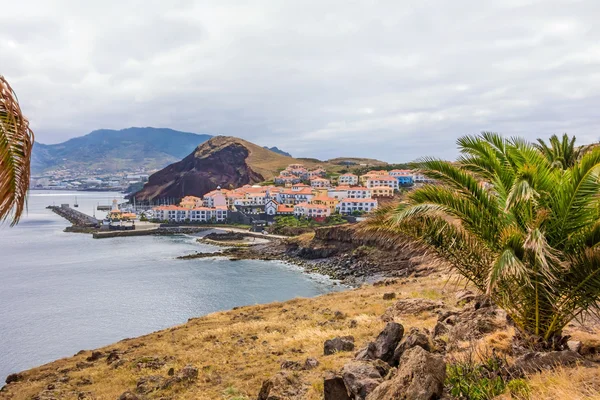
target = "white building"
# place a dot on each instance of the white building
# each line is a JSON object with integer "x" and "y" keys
{"x": 389, "y": 181}
{"x": 320, "y": 183}
{"x": 348, "y": 179}
{"x": 359, "y": 192}
{"x": 348, "y": 206}
{"x": 311, "y": 210}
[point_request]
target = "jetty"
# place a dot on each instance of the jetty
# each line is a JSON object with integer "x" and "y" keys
{"x": 77, "y": 218}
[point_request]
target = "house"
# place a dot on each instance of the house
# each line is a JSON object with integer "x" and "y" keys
{"x": 382, "y": 191}
{"x": 216, "y": 198}
{"x": 420, "y": 177}
{"x": 349, "y": 206}
{"x": 387, "y": 180}
{"x": 290, "y": 196}
{"x": 320, "y": 183}
{"x": 314, "y": 211}
{"x": 317, "y": 173}
{"x": 284, "y": 209}
{"x": 348, "y": 179}
{"x": 171, "y": 213}
{"x": 372, "y": 174}
{"x": 330, "y": 202}
{"x": 271, "y": 207}
{"x": 207, "y": 214}
{"x": 284, "y": 180}
{"x": 401, "y": 172}
{"x": 359, "y": 192}
{"x": 338, "y": 192}
{"x": 191, "y": 202}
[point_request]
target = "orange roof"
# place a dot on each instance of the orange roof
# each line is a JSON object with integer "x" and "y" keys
{"x": 171, "y": 207}
{"x": 324, "y": 198}
{"x": 382, "y": 178}
{"x": 319, "y": 180}
{"x": 285, "y": 208}
{"x": 349, "y": 174}
{"x": 318, "y": 206}
{"x": 301, "y": 191}
{"x": 401, "y": 170}
{"x": 305, "y": 204}
{"x": 343, "y": 187}
{"x": 359, "y": 188}
{"x": 381, "y": 188}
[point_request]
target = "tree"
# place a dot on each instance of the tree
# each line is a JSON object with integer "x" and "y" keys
{"x": 561, "y": 153}
{"x": 520, "y": 229}
{"x": 16, "y": 143}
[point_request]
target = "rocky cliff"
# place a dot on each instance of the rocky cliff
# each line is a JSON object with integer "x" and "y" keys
{"x": 221, "y": 161}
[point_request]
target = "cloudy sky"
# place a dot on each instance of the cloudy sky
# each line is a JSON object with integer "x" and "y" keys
{"x": 393, "y": 80}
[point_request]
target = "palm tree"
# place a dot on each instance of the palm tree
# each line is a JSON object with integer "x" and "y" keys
{"x": 519, "y": 229}
{"x": 16, "y": 142}
{"x": 561, "y": 153}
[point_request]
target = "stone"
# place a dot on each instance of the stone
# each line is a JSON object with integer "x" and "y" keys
{"x": 420, "y": 376}
{"x": 440, "y": 329}
{"x": 353, "y": 324}
{"x": 150, "y": 383}
{"x": 14, "y": 378}
{"x": 311, "y": 363}
{"x": 366, "y": 353}
{"x": 344, "y": 343}
{"x": 283, "y": 385}
{"x": 293, "y": 365}
{"x": 361, "y": 378}
{"x": 415, "y": 338}
{"x": 188, "y": 373}
{"x": 538, "y": 361}
{"x": 128, "y": 396}
{"x": 389, "y": 296}
{"x": 388, "y": 340}
{"x": 96, "y": 355}
{"x": 171, "y": 371}
{"x": 334, "y": 388}
{"x": 574, "y": 345}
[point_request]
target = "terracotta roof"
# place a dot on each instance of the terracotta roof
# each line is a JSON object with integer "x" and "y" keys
{"x": 358, "y": 200}
{"x": 382, "y": 178}
{"x": 324, "y": 198}
{"x": 285, "y": 208}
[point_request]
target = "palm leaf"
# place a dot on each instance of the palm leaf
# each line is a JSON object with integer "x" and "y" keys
{"x": 16, "y": 143}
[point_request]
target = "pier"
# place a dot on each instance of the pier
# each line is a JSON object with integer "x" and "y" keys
{"x": 77, "y": 218}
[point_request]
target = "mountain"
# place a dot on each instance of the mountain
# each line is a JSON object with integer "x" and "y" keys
{"x": 278, "y": 151}
{"x": 221, "y": 161}
{"x": 107, "y": 150}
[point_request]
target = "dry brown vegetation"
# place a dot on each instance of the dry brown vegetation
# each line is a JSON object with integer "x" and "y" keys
{"x": 235, "y": 351}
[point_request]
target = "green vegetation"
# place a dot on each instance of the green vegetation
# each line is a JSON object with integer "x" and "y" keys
{"x": 478, "y": 380}
{"x": 562, "y": 153}
{"x": 516, "y": 226}
{"x": 291, "y": 225}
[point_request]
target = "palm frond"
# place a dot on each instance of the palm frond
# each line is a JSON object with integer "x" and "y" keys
{"x": 16, "y": 143}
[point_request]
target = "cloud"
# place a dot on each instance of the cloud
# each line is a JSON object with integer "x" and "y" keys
{"x": 382, "y": 79}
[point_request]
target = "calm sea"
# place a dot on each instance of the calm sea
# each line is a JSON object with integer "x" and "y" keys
{"x": 64, "y": 292}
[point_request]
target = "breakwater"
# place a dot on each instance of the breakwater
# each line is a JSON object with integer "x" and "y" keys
{"x": 77, "y": 218}
{"x": 151, "y": 231}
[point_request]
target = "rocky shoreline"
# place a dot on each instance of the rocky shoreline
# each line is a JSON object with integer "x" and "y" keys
{"x": 350, "y": 262}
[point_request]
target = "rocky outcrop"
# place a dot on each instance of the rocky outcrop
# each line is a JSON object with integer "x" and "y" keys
{"x": 383, "y": 347}
{"x": 411, "y": 307}
{"x": 344, "y": 343}
{"x": 282, "y": 386}
{"x": 420, "y": 376}
{"x": 538, "y": 361}
{"x": 416, "y": 337}
{"x": 361, "y": 378}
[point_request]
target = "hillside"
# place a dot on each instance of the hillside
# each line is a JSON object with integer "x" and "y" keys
{"x": 278, "y": 151}
{"x": 221, "y": 161}
{"x": 108, "y": 150}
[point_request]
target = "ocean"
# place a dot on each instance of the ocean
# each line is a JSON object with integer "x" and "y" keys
{"x": 64, "y": 292}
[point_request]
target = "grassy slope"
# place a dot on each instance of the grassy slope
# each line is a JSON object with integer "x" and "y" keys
{"x": 236, "y": 350}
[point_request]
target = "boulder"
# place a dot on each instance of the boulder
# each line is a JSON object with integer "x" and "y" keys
{"x": 14, "y": 378}
{"x": 361, "y": 378}
{"x": 389, "y": 296}
{"x": 420, "y": 376}
{"x": 344, "y": 343}
{"x": 334, "y": 389}
{"x": 415, "y": 338}
{"x": 188, "y": 373}
{"x": 311, "y": 363}
{"x": 388, "y": 340}
{"x": 96, "y": 355}
{"x": 411, "y": 307}
{"x": 293, "y": 365}
{"x": 366, "y": 353}
{"x": 283, "y": 385}
{"x": 538, "y": 361}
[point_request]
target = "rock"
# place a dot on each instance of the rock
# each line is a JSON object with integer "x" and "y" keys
{"x": 334, "y": 389}
{"x": 188, "y": 373}
{"x": 150, "y": 362}
{"x": 439, "y": 329}
{"x": 411, "y": 307}
{"x": 96, "y": 355}
{"x": 538, "y": 361}
{"x": 361, "y": 378}
{"x": 420, "y": 376}
{"x": 293, "y": 365}
{"x": 344, "y": 343}
{"x": 171, "y": 371}
{"x": 386, "y": 282}
{"x": 14, "y": 378}
{"x": 311, "y": 363}
{"x": 339, "y": 315}
{"x": 149, "y": 383}
{"x": 283, "y": 385}
{"x": 366, "y": 353}
{"x": 389, "y": 296}
{"x": 388, "y": 340}
{"x": 353, "y": 324}
{"x": 413, "y": 339}
{"x": 574, "y": 345}
{"x": 128, "y": 396}
{"x": 112, "y": 357}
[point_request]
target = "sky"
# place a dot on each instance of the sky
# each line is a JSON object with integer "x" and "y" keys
{"x": 393, "y": 80}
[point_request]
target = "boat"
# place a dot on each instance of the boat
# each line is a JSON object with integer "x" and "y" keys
{"x": 75, "y": 205}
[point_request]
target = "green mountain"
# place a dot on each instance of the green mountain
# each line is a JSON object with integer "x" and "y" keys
{"x": 107, "y": 150}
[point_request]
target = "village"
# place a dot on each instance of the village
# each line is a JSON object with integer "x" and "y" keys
{"x": 297, "y": 192}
